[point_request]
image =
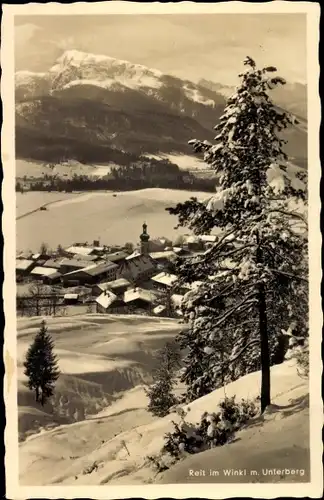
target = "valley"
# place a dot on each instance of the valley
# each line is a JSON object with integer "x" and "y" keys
{"x": 85, "y": 216}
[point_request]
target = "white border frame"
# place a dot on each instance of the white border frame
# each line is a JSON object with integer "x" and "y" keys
{"x": 297, "y": 490}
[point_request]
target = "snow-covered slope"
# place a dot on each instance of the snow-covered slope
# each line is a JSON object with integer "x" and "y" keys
{"x": 119, "y": 440}
{"x": 99, "y": 357}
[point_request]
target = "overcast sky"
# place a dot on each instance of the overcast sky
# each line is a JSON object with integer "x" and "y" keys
{"x": 210, "y": 46}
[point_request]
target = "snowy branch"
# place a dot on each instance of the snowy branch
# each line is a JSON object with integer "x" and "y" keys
{"x": 237, "y": 307}
{"x": 296, "y": 215}
{"x": 289, "y": 275}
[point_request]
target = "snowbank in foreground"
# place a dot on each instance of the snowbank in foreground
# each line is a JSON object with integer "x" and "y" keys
{"x": 120, "y": 441}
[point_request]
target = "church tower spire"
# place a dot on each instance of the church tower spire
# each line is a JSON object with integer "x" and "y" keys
{"x": 144, "y": 237}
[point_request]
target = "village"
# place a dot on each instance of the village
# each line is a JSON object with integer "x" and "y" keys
{"x": 106, "y": 279}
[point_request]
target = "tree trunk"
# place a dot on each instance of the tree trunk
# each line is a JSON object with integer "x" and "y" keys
{"x": 37, "y": 394}
{"x": 265, "y": 354}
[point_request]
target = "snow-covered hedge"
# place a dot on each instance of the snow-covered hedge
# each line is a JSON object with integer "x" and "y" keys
{"x": 214, "y": 429}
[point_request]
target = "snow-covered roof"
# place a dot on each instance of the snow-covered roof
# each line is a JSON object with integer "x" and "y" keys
{"x": 87, "y": 258}
{"x": 53, "y": 263}
{"x": 77, "y": 263}
{"x": 71, "y": 296}
{"x": 177, "y": 249}
{"x": 165, "y": 278}
{"x": 116, "y": 256}
{"x": 24, "y": 264}
{"x": 159, "y": 309}
{"x": 114, "y": 284}
{"x": 192, "y": 239}
{"x": 163, "y": 255}
{"x": 36, "y": 256}
{"x": 101, "y": 268}
{"x": 136, "y": 253}
{"x": 80, "y": 250}
{"x": 43, "y": 271}
{"x": 208, "y": 238}
{"x": 106, "y": 299}
{"x": 139, "y": 293}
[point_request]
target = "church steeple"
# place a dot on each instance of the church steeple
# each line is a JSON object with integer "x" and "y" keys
{"x": 144, "y": 237}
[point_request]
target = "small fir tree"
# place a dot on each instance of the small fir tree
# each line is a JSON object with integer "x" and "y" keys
{"x": 161, "y": 397}
{"x": 253, "y": 278}
{"x": 43, "y": 249}
{"x": 41, "y": 367}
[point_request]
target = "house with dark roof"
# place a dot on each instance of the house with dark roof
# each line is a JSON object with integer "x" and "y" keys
{"x": 117, "y": 257}
{"x": 118, "y": 287}
{"x": 54, "y": 263}
{"x": 137, "y": 268}
{"x": 70, "y": 265}
{"x": 91, "y": 274}
{"x": 24, "y": 267}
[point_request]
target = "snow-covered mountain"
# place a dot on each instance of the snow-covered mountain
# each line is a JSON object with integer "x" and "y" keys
{"x": 87, "y": 105}
{"x": 292, "y": 96}
{"x": 78, "y": 69}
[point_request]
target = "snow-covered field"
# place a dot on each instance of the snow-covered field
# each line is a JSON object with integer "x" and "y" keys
{"x": 85, "y": 217}
{"x": 37, "y": 170}
{"x": 102, "y": 357}
{"x": 184, "y": 162}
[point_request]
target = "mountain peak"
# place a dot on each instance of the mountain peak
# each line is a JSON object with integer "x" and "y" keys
{"x": 82, "y": 66}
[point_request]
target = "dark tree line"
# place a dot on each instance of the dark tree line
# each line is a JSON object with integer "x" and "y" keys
{"x": 142, "y": 174}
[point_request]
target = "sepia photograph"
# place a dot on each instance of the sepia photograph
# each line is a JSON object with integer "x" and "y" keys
{"x": 161, "y": 229}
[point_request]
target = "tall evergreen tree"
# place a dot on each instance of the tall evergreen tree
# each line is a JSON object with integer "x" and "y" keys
{"x": 41, "y": 366}
{"x": 253, "y": 277}
{"x": 160, "y": 394}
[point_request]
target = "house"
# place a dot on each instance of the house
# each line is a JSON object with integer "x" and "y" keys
{"x": 79, "y": 249}
{"x": 91, "y": 274}
{"x": 194, "y": 244}
{"x": 52, "y": 279}
{"x": 164, "y": 280}
{"x": 208, "y": 240}
{"x": 138, "y": 298}
{"x": 164, "y": 258}
{"x": 159, "y": 244}
{"x": 70, "y": 265}
{"x": 137, "y": 267}
{"x": 37, "y": 257}
{"x": 117, "y": 257}
{"x": 25, "y": 256}
{"x": 181, "y": 251}
{"x": 54, "y": 263}
{"x": 102, "y": 271}
{"x": 41, "y": 273}
{"x": 159, "y": 310}
{"x": 108, "y": 302}
{"x": 86, "y": 258}
{"x": 71, "y": 298}
{"x": 118, "y": 287}
{"x": 24, "y": 267}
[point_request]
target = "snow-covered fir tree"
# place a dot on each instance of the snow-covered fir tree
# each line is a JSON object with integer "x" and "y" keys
{"x": 254, "y": 278}
{"x": 41, "y": 366}
{"x": 160, "y": 393}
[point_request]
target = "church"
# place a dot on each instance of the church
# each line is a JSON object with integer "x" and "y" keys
{"x": 139, "y": 266}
